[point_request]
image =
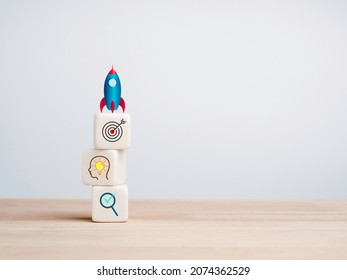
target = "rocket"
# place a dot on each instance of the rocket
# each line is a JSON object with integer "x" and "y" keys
{"x": 112, "y": 92}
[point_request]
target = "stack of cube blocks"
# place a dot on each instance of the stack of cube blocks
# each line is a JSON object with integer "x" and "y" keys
{"x": 104, "y": 168}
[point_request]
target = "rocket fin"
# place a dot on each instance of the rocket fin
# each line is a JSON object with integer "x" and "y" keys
{"x": 102, "y": 104}
{"x": 112, "y": 106}
{"x": 122, "y": 104}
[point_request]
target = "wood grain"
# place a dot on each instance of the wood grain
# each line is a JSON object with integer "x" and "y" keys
{"x": 159, "y": 229}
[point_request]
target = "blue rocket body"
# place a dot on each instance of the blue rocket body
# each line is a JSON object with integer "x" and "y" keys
{"x": 112, "y": 92}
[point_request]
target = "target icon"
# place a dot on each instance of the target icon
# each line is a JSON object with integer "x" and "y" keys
{"x": 113, "y": 131}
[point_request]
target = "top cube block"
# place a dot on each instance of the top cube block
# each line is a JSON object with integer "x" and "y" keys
{"x": 112, "y": 131}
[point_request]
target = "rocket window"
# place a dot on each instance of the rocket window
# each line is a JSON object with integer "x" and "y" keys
{"x": 112, "y": 82}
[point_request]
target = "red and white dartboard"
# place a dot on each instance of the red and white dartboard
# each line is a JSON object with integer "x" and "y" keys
{"x": 112, "y": 131}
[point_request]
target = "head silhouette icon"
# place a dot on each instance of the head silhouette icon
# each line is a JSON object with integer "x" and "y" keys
{"x": 99, "y": 167}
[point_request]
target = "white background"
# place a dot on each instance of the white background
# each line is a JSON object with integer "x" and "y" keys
{"x": 259, "y": 270}
{"x": 229, "y": 99}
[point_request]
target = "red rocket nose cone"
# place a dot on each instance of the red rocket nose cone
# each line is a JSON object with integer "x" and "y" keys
{"x": 112, "y": 71}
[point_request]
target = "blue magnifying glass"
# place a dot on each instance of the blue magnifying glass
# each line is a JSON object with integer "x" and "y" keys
{"x": 108, "y": 200}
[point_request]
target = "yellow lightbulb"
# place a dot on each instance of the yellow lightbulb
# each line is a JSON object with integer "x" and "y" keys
{"x": 99, "y": 166}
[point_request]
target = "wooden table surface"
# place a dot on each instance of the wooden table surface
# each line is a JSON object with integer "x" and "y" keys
{"x": 172, "y": 229}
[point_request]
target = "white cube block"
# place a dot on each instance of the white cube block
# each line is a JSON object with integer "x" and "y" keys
{"x": 112, "y": 131}
{"x": 104, "y": 167}
{"x": 110, "y": 204}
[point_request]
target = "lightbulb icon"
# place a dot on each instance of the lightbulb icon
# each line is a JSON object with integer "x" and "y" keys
{"x": 99, "y": 167}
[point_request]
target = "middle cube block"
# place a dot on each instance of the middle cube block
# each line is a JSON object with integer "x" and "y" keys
{"x": 104, "y": 167}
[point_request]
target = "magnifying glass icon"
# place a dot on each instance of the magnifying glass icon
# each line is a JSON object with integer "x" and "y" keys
{"x": 108, "y": 200}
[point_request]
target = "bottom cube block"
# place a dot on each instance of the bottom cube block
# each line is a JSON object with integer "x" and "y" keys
{"x": 110, "y": 204}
